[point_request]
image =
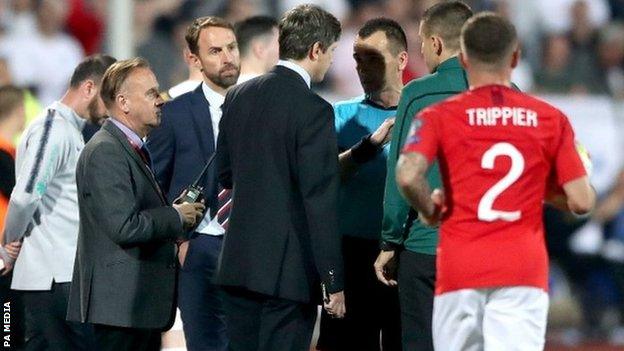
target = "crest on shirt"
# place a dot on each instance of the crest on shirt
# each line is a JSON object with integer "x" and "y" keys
{"x": 413, "y": 136}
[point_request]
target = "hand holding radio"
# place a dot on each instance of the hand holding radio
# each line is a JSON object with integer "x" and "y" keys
{"x": 191, "y": 213}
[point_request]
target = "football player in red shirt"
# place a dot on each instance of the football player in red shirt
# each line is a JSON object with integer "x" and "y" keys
{"x": 500, "y": 153}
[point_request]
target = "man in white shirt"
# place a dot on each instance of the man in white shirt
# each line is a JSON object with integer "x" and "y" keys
{"x": 43, "y": 210}
{"x": 180, "y": 148}
{"x": 258, "y": 46}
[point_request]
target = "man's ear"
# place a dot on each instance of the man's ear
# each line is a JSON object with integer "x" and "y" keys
{"x": 315, "y": 51}
{"x": 122, "y": 102}
{"x": 515, "y": 57}
{"x": 258, "y": 49}
{"x": 438, "y": 45}
{"x": 89, "y": 89}
{"x": 403, "y": 56}
{"x": 194, "y": 60}
{"x": 463, "y": 59}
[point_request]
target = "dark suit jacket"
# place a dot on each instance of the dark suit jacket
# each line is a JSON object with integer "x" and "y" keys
{"x": 277, "y": 149}
{"x": 124, "y": 273}
{"x": 182, "y": 145}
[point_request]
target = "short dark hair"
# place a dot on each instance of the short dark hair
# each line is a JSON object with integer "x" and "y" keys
{"x": 394, "y": 33}
{"x": 251, "y": 28}
{"x": 193, "y": 30}
{"x": 116, "y": 75}
{"x": 446, "y": 19}
{"x": 11, "y": 97}
{"x": 489, "y": 38}
{"x": 92, "y": 67}
{"x": 302, "y": 27}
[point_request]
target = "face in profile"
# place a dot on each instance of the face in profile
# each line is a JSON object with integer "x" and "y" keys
{"x": 144, "y": 100}
{"x": 373, "y": 59}
{"x": 218, "y": 56}
{"x": 325, "y": 60}
{"x": 96, "y": 109}
{"x": 427, "y": 49}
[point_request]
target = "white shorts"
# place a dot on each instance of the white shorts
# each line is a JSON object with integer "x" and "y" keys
{"x": 510, "y": 318}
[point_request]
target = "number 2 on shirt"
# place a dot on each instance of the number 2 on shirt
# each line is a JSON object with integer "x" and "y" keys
{"x": 485, "y": 211}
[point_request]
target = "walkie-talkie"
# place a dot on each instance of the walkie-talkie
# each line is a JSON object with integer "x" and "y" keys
{"x": 193, "y": 192}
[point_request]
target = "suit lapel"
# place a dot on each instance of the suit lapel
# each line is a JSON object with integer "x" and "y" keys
{"x": 202, "y": 122}
{"x": 121, "y": 137}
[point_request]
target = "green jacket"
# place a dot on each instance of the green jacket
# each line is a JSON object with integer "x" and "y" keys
{"x": 449, "y": 79}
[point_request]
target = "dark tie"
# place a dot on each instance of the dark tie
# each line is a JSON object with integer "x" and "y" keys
{"x": 225, "y": 207}
{"x": 143, "y": 153}
{"x": 147, "y": 157}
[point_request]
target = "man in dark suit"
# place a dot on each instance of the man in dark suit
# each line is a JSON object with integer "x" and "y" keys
{"x": 125, "y": 268}
{"x": 180, "y": 147}
{"x": 277, "y": 151}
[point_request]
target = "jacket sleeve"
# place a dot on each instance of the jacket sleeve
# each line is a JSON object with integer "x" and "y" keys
{"x": 317, "y": 165}
{"x": 161, "y": 144}
{"x": 106, "y": 193}
{"x": 395, "y": 208}
{"x": 42, "y": 155}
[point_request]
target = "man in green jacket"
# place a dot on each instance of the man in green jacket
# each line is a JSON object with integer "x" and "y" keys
{"x": 439, "y": 32}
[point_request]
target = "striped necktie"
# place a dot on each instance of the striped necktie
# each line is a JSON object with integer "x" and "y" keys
{"x": 225, "y": 207}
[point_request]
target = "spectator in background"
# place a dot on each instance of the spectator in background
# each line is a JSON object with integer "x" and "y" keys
{"x": 583, "y": 38}
{"x": 555, "y": 17}
{"x": 43, "y": 210}
{"x": 86, "y": 24}
{"x": 363, "y": 127}
{"x": 44, "y": 60}
{"x": 12, "y": 120}
{"x": 554, "y": 75}
{"x": 237, "y": 10}
{"x": 611, "y": 58}
{"x": 258, "y": 46}
{"x": 19, "y": 17}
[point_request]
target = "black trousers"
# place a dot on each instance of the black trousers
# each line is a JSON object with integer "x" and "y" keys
{"x": 258, "y": 322}
{"x": 109, "y": 338}
{"x": 45, "y": 324}
{"x": 373, "y": 317}
{"x": 416, "y": 287}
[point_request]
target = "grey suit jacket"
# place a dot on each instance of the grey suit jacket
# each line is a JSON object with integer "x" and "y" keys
{"x": 125, "y": 267}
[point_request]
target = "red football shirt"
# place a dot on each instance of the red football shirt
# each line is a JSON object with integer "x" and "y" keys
{"x": 497, "y": 148}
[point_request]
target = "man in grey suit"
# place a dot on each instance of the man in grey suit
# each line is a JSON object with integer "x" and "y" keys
{"x": 125, "y": 267}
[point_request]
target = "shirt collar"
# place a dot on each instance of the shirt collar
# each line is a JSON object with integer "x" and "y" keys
{"x": 214, "y": 99}
{"x": 449, "y": 63}
{"x": 68, "y": 114}
{"x": 295, "y": 67}
{"x": 130, "y": 134}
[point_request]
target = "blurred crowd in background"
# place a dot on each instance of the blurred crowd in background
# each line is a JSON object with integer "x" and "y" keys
{"x": 573, "y": 56}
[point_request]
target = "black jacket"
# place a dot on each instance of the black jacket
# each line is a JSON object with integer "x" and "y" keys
{"x": 277, "y": 150}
